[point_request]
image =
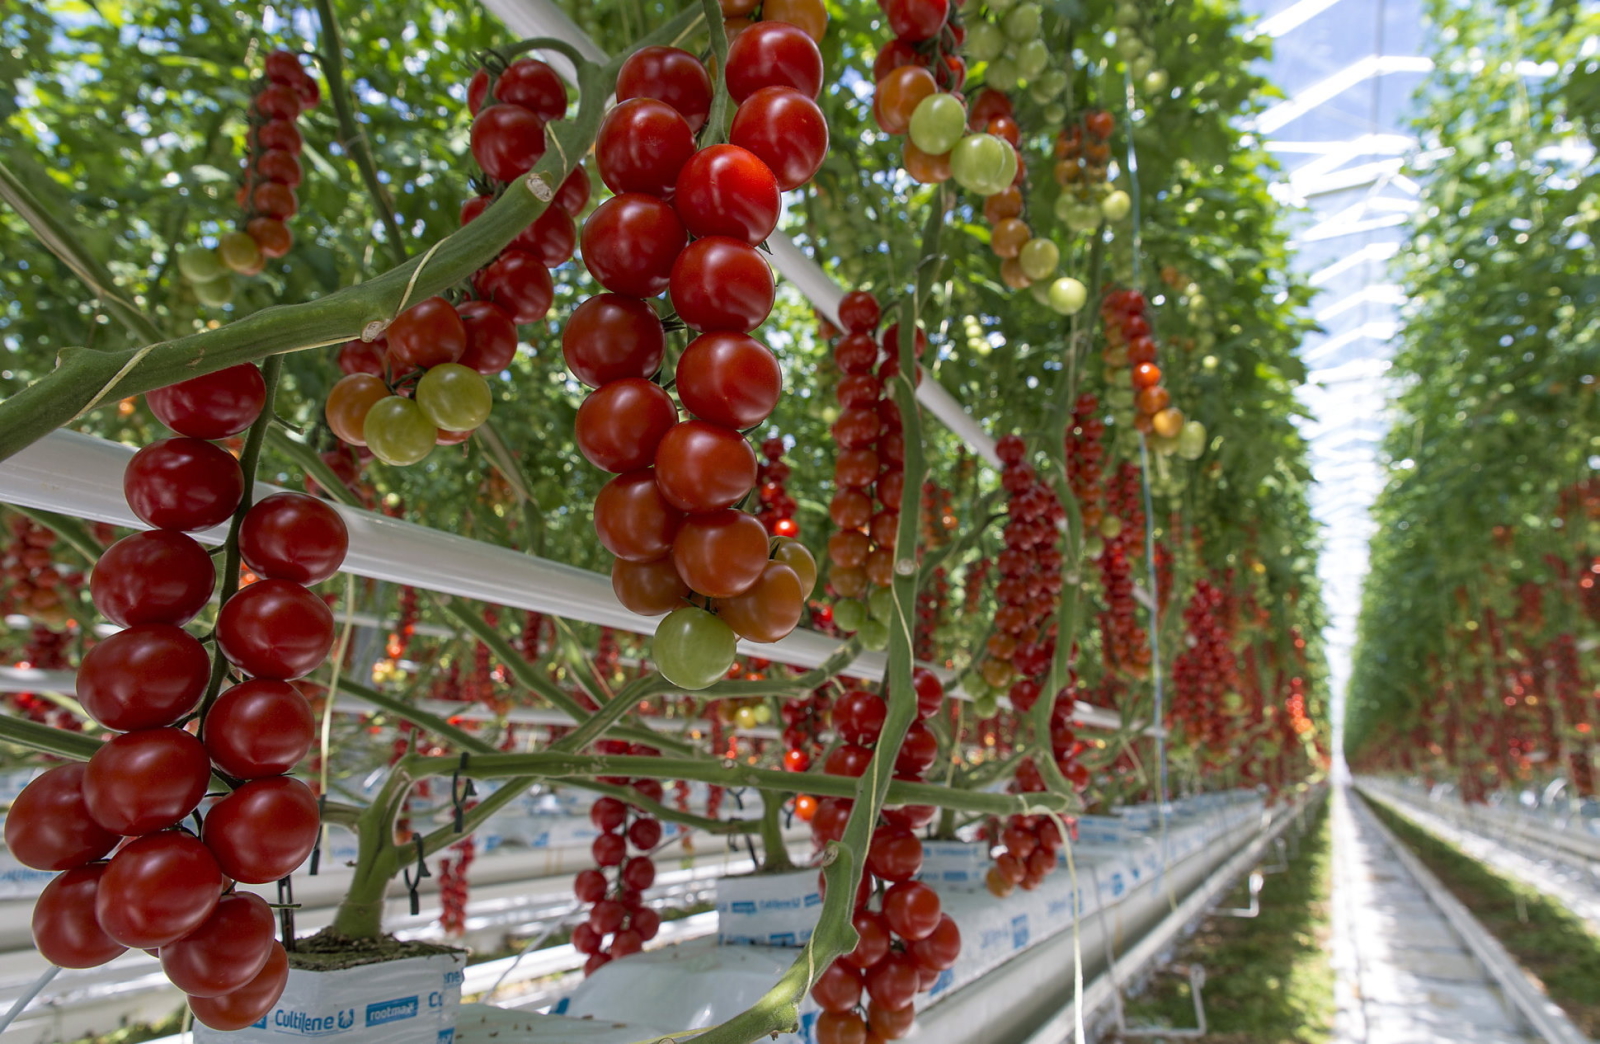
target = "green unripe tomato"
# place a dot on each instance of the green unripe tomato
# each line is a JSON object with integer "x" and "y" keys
{"x": 763, "y": 714}
{"x": 1040, "y": 292}
{"x": 692, "y": 648}
{"x": 1052, "y": 82}
{"x": 983, "y": 164}
{"x": 398, "y": 432}
{"x": 455, "y": 397}
{"x": 880, "y": 604}
{"x": 1055, "y": 113}
{"x": 849, "y": 614}
{"x": 1039, "y": 258}
{"x": 214, "y": 293}
{"x": 937, "y": 123}
{"x": 1068, "y": 296}
{"x": 1110, "y": 528}
{"x": 1155, "y": 81}
{"x": 1140, "y": 65}
{"x": 985, "y": 41}
{"x": 241, "y": 253}
{"x": 1192, "y": 440}
{"x": 1023, "y": 22}
{"x": 199, "y": 264}
{"x": 1081, "y": 217}
{"x": 1116, "y": 206}
{"x": 998, "y": 8}
{"x": 874, "y": 635}
{"x": 1119, "y": 397}
{"x": 1162, "y": 445}
{"x": 1033, "y": 58}
{"x": 1093, "y": 546}
{"x": 986, "y": 705}
{"x": 1002, "y": 74}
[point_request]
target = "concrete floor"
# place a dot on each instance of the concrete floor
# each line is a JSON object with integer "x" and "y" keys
{"x": 1403, "y": 976}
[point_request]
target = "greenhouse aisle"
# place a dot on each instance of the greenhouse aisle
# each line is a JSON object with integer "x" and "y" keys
{"x": 1403, "y": 976}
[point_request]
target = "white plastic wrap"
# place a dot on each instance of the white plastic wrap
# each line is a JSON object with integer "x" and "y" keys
{"x": 410, "y": 1001}
{"x": 768, "y": 909}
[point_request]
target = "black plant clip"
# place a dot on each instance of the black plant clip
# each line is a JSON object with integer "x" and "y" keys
{"x": 413, "y": 882}
{"x": 286, "y": 906}
{"x": 316, "y": 853}
{"x": 459, "y": 794}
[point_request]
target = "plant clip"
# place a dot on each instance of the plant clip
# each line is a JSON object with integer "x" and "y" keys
{"x": 286, "y": 907}
{"x": 415, "y": 882}
{"x": 316, "y": 853}
{"x": 459, "y": 794}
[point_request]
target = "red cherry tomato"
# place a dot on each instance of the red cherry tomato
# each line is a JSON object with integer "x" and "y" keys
{"x": 491, "y": 336}
{"x": 141, "y": 782}
{"x": 65, "y": 929}
{"x": 249, "y": 1003}
{"x": 280, "y": 134}
{"x": 729, "y": 379}
{"x": 630, "y": 243}
{"x": 930, "y": 692}
{"x": 858, "y": 312}
{"x": 214, "y": 405}
{"x": 890, "y": 1023}
{"x": 157, "y": 889}
{"x": 274, "y": 200}
{"x": 703, "y": 467}
{"x": 621, "y": 423}
{"x": 590, "y": 886}
{"x": 769, "y": 609}
{"x": 859, "y": 716}
{"x": 773, "y": 54}
{"x": 720, "y": 283}
{"x": 828, "y": 823}
{"x": 725, "y": 190}
{"x": 838, "y": 988}
{"x": 872, "y": 939}
{"x": 720, "y": 554}
{"x": 785, "y": 130}
{"x": 361, "y": 357}
{"x": 670, "y": 75}
{"x": 648, "y": 588}
{"x": 532, "y": 84}
{"x": 49, "y": 826}
{"x": 633, "y": 519}
{"x": 639, "y": 873}
{"x": 183, "y": 483}
{"x": 641, "y": 146}
{"x": 916, "y": 19}
{"x": 939, "y": 949}
{"x": 573, "y": 195}
{"x": 144, "y": 677}
{"x": 271, "y": 235}
{"x": 551, "y": 238}
{"x": 895, "y": 854}
{"x": 644, "y": 833}
{"x": 507, "y": 140}
{"x": 608, "y": 814}
{"x": 918, "y": 751}
{"x": 645, "y": 921}
{"x": 847, "y": 760}
{"x": 912, "y": 910}
{"x": 841, "y": 1028}
{"x": 279, "y": 165}
{"x": 519, "y": 283}
{"x": 892, "y": 982}
{"x": 225, "y": 952}
{"x": 259, "y": 728}
{"x": 426, "y": 334}
{"x": 610, "y": 337}
{"x": 292, "y": 536}
{"x": 275, "y": 629}
{"x": 157, "y": 576}
{"x": 263, "y": 830}
{"x": 609, "y": 850}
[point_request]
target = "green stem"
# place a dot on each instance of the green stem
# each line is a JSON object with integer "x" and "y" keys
{"x": 353, "y": 138}
{"x": 774, "y": 851}
{"x": 48, "y": 739}
{"x": 716, "y": 127}
{"x": 432, "y": 723}
{"x": 271, "y": 370}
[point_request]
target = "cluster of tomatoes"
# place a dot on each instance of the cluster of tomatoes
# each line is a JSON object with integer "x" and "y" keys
{"x": 672, "y": 516}
{"x": 266, "y": 190}
{"x": 1125, "y": 645}
{"x": 1022, "y": 646}
{"x": 1085, "y": 451}
{"x": 803, "y": 725}
{"x": 932, "y": 598}
{"x": 1131, "y": 345}
{"x": 907, "y": 940}
{"x": 869, "y": 472}
{"x": 617, "y": 910}
{"x": 1028, "y": 847}
{"x": 1205, "y": 672}
{"x": 777, "y": 508}
{"x": 164, "y": 888}
{"x": 453, "y": 887}
{"x": 1082, "y": 169}
{"x": 36, "y": 586}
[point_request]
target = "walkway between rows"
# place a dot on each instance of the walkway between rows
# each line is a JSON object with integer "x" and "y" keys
{"x": 1403, "y": 975}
